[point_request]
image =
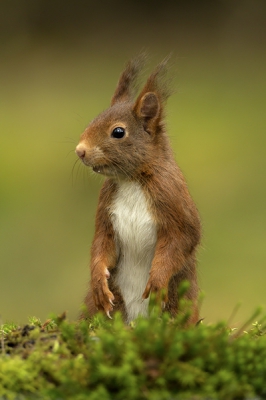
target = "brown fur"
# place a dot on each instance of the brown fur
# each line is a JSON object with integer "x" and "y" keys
{"x": 143, "y": 155}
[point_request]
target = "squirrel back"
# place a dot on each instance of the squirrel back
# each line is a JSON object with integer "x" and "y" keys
{"x": 147, "y": 226}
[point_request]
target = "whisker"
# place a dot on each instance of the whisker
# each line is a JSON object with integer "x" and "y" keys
{"x": 86, "y": 175}
{"x": 71, "y": 140}
{"x": 66, "y": 140}
{"x": 71, "y": 151}
{"x": 72, "y": 171}
{"x": 79, "y": 117}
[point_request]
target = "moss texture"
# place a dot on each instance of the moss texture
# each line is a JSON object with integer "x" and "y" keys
{"x": 155, "y": 358}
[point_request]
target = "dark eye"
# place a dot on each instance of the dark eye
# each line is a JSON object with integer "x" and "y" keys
{"x": 118, "y": 133}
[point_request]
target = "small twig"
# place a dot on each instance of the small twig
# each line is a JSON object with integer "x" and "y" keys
{"x": 2, "y": 337}
{"x": 246, "y": 324}
{"x": 233, "y": 314}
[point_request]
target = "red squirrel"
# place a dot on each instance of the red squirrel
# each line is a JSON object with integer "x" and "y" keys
{"x": 147, "y": 226}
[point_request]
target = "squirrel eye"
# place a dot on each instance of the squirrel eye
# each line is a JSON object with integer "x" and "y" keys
{"x": 118, "y": 133}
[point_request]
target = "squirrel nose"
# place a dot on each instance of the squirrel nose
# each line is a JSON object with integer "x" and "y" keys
{"x": 81, "y": 151}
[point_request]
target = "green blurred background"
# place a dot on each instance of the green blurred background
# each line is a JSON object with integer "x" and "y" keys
{"x": 59, "y": 64}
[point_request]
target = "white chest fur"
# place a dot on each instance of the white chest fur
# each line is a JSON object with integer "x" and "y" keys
{"x": 135, "y": 232}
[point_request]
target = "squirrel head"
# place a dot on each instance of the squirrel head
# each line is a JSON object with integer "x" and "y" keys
{"x": 124, "y": 140}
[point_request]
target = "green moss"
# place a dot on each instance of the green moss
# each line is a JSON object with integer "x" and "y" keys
{"x": 155, "y": 358}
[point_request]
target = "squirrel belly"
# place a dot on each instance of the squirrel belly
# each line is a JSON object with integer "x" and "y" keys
{"x": 135, "y": 237}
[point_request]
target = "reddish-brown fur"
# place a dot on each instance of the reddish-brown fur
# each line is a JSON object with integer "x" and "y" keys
{"x": 144, "y": 156}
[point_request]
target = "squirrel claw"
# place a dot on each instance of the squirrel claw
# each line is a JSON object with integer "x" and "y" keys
{"x": 108, "y": 314}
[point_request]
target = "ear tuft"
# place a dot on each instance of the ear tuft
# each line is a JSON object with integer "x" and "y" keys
{"x": 125, "y": 89}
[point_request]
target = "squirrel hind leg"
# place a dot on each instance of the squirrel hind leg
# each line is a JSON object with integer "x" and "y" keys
{"x": 173, "y": 306}
{"x": 90, "y": 305}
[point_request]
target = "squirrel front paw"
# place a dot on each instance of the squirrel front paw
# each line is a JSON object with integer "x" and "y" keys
{"x": 103, "y": 297}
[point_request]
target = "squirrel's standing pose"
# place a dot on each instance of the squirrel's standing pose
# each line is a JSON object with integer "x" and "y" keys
{"x": 147, "y": 226}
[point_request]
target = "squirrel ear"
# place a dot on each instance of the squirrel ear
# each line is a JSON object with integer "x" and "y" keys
{"x": 147, "y": 108}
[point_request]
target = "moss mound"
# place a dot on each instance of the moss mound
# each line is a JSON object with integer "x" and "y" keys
{"x": 155, "y": 358}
